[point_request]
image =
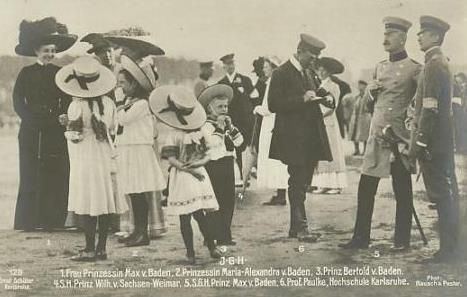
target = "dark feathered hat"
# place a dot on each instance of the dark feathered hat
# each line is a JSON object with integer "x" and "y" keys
{"x": 98, "y": 42}
{"x": 46, "y": 31}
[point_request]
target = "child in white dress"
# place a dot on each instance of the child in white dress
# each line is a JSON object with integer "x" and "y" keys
{"x": 90, "y": 117}
{"x": 190, "y": 193}
{"x": 138, "y": 166}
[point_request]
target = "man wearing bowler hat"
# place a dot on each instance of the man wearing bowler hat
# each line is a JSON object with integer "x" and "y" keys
{"x": 389, "y": 96}
{"x": 240, "y": 108}
{"x": 432, "y": 135}
{"x": 299, "y": 136}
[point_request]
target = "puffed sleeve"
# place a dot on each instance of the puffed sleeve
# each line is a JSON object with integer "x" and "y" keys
{"x": 74, "y": 113}
{"x": 170, "y": 144}
{"x": 135, "y": 112}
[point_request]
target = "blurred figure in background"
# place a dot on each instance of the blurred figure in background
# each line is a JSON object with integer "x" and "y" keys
{"x": 241, "y": 107}
{"x": 459, "y": 109}
{"x": 359, "y": 128}
{"x": 202, "y": 82}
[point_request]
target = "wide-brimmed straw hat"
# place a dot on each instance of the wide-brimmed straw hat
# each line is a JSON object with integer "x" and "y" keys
{"x": 177, "y": 107}
{"x": 85, "y": 78}
{"x": 218, "y": 91}
{"x": 142, "y": 70}
{"x": 46, "y": 31}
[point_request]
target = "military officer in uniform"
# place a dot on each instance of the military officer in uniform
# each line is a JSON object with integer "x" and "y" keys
{"x": 205, "y": 74}
{"x": 389, "y": 95}
{"x": 241, "y": 107}
{"x": 432, "y": 135}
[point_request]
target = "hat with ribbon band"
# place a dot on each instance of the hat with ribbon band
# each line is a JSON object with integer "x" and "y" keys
{"x": 85, "y": 78}
{"x": 177, "y": 107}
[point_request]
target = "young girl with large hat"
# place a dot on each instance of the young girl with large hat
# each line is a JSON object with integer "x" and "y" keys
{"x": 190, "y": 193}
{"x": 91, "y": 116}
{"x": 138, "y": 166}
{"x": 41, "y": 105}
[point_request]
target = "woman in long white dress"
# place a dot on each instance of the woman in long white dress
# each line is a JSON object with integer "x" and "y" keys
{"x": 271, "y": 174}
{"x": 91, "y": 116}
{"x": 330, "y": 177}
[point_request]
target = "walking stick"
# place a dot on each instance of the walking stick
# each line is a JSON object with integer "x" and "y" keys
{"x": 419, "y": 226}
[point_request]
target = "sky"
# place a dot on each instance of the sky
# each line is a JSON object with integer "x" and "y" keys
{"x": 208, "y": 29}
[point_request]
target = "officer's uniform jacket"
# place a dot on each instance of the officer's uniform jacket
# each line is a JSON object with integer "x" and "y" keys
{"x": 432, "y": 122}
{"x": 399, "y": 81}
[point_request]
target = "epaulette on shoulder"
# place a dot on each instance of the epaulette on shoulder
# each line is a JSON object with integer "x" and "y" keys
{"x": 383, "y": 61}
{"x": 415, "y": 62}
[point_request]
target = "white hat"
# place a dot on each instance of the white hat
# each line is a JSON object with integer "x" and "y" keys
{"x": 85, "y": 78}
{"x": 177, "y": 107}
{"x": 141, "y": 70}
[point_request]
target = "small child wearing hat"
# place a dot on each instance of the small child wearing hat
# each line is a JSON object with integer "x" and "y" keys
{"x": 223, "y": 138}
{"x": 185, "y": 147}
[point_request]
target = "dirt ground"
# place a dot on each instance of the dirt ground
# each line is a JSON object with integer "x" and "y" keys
{"x": 261, "y": 235}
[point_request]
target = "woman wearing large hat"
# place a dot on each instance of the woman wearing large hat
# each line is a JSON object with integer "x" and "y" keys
{"x": 190, "y": 193}
{"x": 271, "y": 173}
{"x": 91, "y": 116}
{"x": 140, "y": 174}
{"x": 330, "y": 176}
{"x": 41, "y": 105}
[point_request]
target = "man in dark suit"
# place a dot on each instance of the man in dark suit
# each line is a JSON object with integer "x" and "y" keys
{"x": 241, "y": 107}
{"x": 299, "y": 136}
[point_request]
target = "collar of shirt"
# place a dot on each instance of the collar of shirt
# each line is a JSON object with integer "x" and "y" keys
{"x": 398, "y": 56}
{"x": 231, "y": 77}
{"x": 296, "y": 64}
{"x": 40, "y": 62}
{"x": 431, "y": 52}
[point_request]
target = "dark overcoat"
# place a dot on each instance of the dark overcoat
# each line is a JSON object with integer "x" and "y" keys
{"x": 299, "y": 134}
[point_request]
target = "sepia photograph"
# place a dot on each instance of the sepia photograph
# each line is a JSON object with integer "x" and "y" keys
{"x": 233, "y": 148}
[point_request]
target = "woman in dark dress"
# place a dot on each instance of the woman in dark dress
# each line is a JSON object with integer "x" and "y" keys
{"x": 44, "y": 167}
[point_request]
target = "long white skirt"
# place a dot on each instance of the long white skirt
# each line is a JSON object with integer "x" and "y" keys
{"x": 332, "y": 174}
{"x": 272, "y": 174}
{"x": 139, "y": 169}
{"x": 91, "y": 191}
